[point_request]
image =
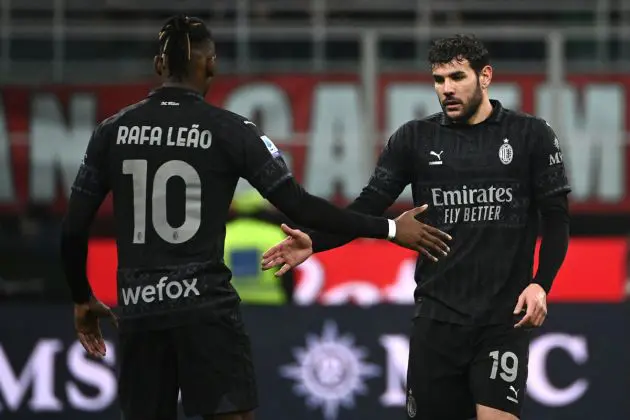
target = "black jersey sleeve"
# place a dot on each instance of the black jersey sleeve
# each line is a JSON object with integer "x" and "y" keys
{"x": 88, "y": 191}
{"x": 548, "y": 172}
{"x": 554, "y": 211}
{"x": 262, "y": 164}
{"x": 390, "y": 177}
{"x": 92, "y": 176}
{"x": 266, "y": 171}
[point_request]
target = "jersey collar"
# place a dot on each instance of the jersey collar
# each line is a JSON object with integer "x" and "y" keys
{"x": 496, "y": 117}
{"x": 175, "y": 91}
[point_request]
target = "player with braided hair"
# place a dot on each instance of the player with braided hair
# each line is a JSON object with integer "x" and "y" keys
{"x": 172, "y": 162}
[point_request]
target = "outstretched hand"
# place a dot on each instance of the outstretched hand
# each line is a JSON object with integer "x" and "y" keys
{"x": 420, "y": 237}
{"x": 291, "y": 252}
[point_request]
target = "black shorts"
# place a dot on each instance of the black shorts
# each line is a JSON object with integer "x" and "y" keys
{"x": 210, "y": 362}
{"x": 454, "y": 367}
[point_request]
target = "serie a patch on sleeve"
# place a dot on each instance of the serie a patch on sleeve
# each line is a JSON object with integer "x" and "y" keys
{"x": 270, "y": 146}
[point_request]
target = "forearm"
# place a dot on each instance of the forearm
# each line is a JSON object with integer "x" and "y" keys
{"x": 555, "y": 239}
{"x": 373, "y": 204}
{"x": 74, "y": 243}
{"x": 74, "y": 250}
{"x": 316, "y": 213}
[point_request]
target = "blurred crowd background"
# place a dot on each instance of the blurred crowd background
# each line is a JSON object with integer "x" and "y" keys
{"x": 328, "y": 81}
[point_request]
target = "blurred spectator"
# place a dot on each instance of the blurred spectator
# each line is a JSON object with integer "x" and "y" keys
{"x": 248, "y": 236}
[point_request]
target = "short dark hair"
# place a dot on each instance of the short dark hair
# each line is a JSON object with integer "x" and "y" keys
{"x": 176, "y": 39}
{"x": 460, "y": 47}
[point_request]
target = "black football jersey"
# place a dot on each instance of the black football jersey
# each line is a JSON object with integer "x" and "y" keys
{"x": 172, "y": 162}
{"x": 483, "y": 184}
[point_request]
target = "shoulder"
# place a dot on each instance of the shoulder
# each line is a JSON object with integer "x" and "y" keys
{"x": 109, "y": 124}
{"x": 125, "y": 112}
{"x": 528, "y": 122}
{"x": 233, "y": 124}
{"x": 434, "y": 118}
{"x": 417, "y": 128}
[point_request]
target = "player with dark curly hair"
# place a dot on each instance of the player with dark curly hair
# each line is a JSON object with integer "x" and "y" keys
{"x": 488, "y": 174}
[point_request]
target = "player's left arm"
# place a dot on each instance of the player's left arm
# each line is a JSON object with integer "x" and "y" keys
{"x": 550, "y": 191}
{"x": 88, "y": 192}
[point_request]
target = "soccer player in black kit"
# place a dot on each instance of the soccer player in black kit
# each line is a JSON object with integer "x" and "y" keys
{"x": 488, "y": 174}
{"x": 172, "y": 162}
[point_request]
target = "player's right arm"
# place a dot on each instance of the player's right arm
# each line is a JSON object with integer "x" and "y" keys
{"x": 392, "y": 174}
{"x": 261, "y": 164}
{"x": 390, "y": 177}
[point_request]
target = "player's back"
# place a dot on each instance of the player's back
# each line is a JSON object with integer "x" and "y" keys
{"x": 173, "y": 172}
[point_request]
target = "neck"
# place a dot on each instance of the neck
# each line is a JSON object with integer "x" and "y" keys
{"x": 184, "y": 85}
{"x": 483, "y": 112}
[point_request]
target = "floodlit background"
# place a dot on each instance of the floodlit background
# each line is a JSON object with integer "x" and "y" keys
{"x": 328, "y": 81}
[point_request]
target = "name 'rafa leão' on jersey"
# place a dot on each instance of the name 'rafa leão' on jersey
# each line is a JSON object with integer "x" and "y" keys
{"x": 173, "y": 162}
{"x": 483, "y": 184}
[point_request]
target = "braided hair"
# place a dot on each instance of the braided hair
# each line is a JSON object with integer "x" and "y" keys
{"x": 176, "y": 39}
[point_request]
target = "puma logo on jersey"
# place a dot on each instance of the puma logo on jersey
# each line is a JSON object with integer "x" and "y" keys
{"x": 514, "y": 398}
{"x": 438, "y": 156}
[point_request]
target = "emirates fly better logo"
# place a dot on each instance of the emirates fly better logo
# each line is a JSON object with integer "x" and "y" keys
{"x": 330, "y": 371}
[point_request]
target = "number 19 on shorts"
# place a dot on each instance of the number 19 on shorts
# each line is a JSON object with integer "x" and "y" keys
{"x": 507, "y": 363}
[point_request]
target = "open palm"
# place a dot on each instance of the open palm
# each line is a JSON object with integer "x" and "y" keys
{"x": 291, "y": 252}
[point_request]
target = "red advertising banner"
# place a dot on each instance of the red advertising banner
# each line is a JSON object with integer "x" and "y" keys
{"x": 380, "y": 272}
{"x": 44, "y": 130}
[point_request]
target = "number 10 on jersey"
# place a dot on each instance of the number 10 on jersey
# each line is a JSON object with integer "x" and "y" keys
{"x": 138, "y": 169}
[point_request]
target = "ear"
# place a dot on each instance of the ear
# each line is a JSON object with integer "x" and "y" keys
{"x": 211, "y": 65}
{"x": 158, "y": 65}
{"x": 485, "y": 77}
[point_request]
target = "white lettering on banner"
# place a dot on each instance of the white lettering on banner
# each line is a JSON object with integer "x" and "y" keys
{"x": 94, "y": 374}
{"x": 310, "y": 289}
{"x": 362, "y": 293}
{"x": 56, "y": 146}
{"x": 401, "y": 290}
{"x": 38, "y": 376}
{"x": 337, "y": 151}
{"x": 7, "y": 193}
{"x": 396, "y": 356}
{"x": 274, "y": 106}
{"x": 539, "y": 386}
{"x": 272, "y": 103}
{"x": 593, "y": 136}
{"x": 602, "y": 176}
{"x": 592, "y": 130}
